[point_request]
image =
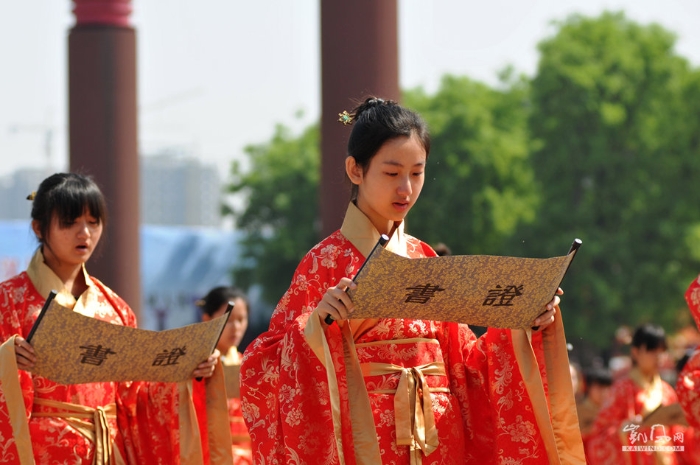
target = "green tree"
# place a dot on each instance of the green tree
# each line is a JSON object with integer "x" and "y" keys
{"x": 479, "y": 184}
{"x": 615, "y": 161}
{"x": 280, "y": 209}
{"x": 603, "y": 144}
{"x": 688, "y": 141}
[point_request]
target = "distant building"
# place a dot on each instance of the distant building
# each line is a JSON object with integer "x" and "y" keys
{"x": 15, "y": 188}
{"x": 177, "y": 189}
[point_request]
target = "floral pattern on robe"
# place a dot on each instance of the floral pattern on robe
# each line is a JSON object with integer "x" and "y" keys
{"x": 146, "y": 429}
{"x": 688, "y": 384}
{"x": 482, "y": 410}
{"x": 626, "y": 401}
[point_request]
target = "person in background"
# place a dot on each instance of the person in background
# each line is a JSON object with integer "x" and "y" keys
{"x": 576, "y": 379}
{"x": 399, "y": 391}
{"x": 688, "y": 383}
{"x": 620, "y": 422}
{"x": 596, "y": 388}
{"x": 442, "y": 250}
{"x": 213, "y": 305}
{"x": 44, "y": 422}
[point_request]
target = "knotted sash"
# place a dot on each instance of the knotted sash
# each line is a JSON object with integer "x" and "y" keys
{"x": 413, "y": 406}
{"x": 97, "y": 431}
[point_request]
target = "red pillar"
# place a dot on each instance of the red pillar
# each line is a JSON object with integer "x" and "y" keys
{"x": 103, "y": 133}
{"x": 359, "y": 57}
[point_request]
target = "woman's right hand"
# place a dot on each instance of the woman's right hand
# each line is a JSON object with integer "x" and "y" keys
{"x": 336, "y": 302}
{"x": 25, "y": 354}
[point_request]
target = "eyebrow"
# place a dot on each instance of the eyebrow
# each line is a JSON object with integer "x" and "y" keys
{"x": 400, "y": 165}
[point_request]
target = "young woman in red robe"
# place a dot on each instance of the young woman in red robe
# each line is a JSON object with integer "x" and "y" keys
{"x": 213, "y": 305}
{"x": 688, "y": 384}
{"x": 398, "y": 391}
{"x": 44, "y": 422}
{"x": 620, "y": 435}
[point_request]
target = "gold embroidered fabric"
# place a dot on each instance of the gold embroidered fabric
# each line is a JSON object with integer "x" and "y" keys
{"x": 232, "y": 375}
{"x": 97, "y": 432}
{"x": 12, "y": 391}
{"x": 72, "y": 349}
{"x": 482, "y": 290}
{"x": 45, "y": 280}
{"x": 561, "y": 435}
{"x": 413, "y": 407}
{"x": 232, "y": 372}
{"x": 653, "y": 390}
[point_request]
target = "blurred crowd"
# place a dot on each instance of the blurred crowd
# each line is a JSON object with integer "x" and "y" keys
{"x": 627, "y": 404}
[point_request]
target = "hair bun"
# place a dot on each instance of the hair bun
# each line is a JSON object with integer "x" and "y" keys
{"x": 372, "y": 101}
{"x": 370, "y": 104}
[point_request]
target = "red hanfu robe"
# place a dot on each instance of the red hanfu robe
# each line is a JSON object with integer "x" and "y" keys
{"x": 632, "y": 398}
{"x": 240, "y": 440}
{"x": 688, "y": 384}
{"x": 688, "y": 391}
{"x": 145, "y": 420}
{"x": 239, "y": 433}
{"x": 427, "y": 391}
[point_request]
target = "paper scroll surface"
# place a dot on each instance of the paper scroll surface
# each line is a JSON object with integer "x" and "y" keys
{"x": 482, "y": 290}
{"x": 232, "y": 377}
{"x": 73, "y": 349}
{"x": 671, "y": 414}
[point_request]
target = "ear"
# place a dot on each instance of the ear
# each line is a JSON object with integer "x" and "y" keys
{"x": 35, "y": 228}
{"x": 634, "y": 353}
{"x": 353, "y": 170}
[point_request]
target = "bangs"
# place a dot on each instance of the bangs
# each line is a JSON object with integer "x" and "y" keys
{"x": 656, "y": 343}
{"x": 650, "y": 336}
{"x": 76, "y": 199}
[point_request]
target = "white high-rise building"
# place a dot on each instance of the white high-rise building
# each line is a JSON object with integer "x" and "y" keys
{"x": 177, "y": 189}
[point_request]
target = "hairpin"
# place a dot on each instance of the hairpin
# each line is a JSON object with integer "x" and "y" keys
{"x": 199, "y": 302}
{"x": 31, "y": 196}
{"x": 345, "y": 118}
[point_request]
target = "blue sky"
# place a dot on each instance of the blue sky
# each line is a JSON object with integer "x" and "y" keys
{"x": 216, "y": 75}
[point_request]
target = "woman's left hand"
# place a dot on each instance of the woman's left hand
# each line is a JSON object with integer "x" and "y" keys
{"x": 206, "y": 368}
{"x": 547, "y": 318}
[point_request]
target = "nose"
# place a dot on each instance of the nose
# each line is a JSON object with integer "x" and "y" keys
{"x": 83, "y": 228}
{"x": 404, "y": 188}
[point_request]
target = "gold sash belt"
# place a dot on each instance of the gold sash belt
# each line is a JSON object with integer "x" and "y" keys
{"x": 97, "y": 432}
{"x": 413, "y": 405}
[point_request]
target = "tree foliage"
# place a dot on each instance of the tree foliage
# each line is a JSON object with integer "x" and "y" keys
{"x": 602, "y": 144}
{"x": 280, "y": 209}
{"x": 479, "y": 184}
{"x": 616, "y": 158}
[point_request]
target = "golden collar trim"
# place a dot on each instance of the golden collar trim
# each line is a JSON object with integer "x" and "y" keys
{"x": 45, "y": 280}
{"x": 360, "y": 231}
{"x": 233, "y": 357}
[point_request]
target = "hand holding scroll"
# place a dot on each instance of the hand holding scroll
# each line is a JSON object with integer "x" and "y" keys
{"x": 25, "y": 354}
{"x": 207, "y": 367}
{"x": 547, "y": 318}
{"x": 336, "y": 302}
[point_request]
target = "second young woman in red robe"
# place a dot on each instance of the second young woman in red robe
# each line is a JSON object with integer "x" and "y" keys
{"x": 45, "y": 422}
{"x": 398, "y": 391}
